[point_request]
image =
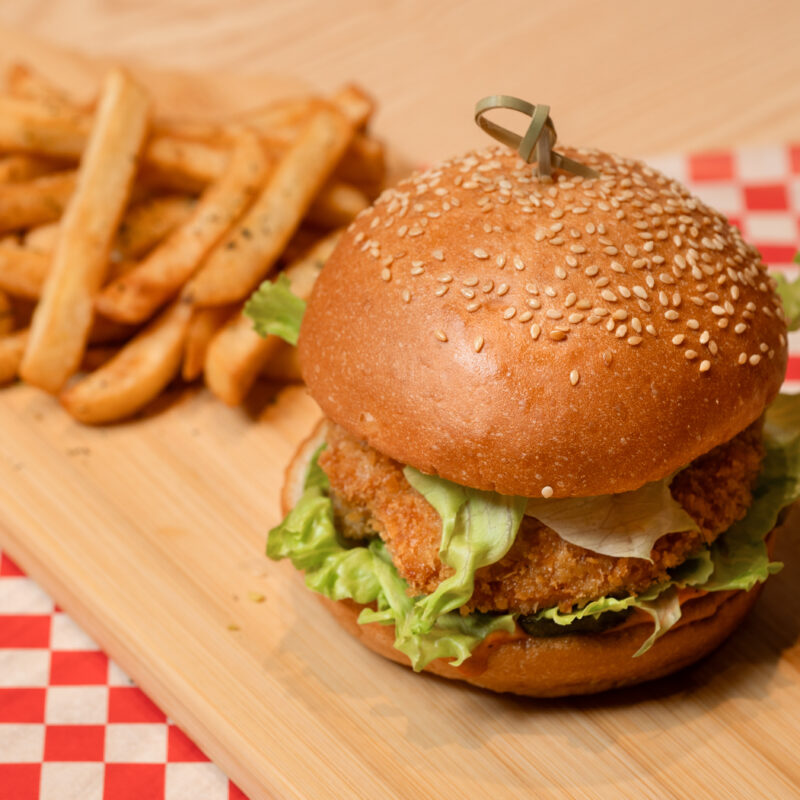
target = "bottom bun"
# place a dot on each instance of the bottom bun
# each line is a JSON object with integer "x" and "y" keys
{"x": 559, "y": 665}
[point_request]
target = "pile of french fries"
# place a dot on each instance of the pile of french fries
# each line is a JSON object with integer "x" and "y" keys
{"x": 129, "y": 243}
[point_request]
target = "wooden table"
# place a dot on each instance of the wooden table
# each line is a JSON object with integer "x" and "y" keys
{"x": 199, "y": 482}
{"x": 636, "y": 77}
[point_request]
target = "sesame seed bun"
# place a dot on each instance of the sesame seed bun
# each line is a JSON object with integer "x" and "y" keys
{"x": 572, "y": 338}
{"x": 562, "y": 665}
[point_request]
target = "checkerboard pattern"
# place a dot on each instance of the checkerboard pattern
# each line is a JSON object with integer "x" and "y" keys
{"x": 72, "y": 724}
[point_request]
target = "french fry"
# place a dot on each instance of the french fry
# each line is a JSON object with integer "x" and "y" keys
{"x": 22, "y": 271}
{"x": 42, "y": 238}
{"x": 237, "y": 354}
{"x": 24, "y": 168}
{"x": 25, "y": 127}
{"x": 363, "y": 165}
{"x": 249, "y": 251}
{"x": 35, "y": 202}
{"x": 355, "y": 104}
{"x": 144, "y": 225}
{"x": 337, "y": 205}
{"x": 137, "y": 295}
{"x": 63, "y": 317}
{"x": 12, "y": 347}
{"x": 205, "y": 324}
{"x": 7, "y": 315}
{"x": 135, "y": 375}
{"x": 23, "y": 82}
{"x": 197, "y": 162}
{"x": 147, "y": 223}
{"x": 283, "y": 119}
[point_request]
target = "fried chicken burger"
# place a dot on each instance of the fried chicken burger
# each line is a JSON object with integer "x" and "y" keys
{"x": 553, "y": 450}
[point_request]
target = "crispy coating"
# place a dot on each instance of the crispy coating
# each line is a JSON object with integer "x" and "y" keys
{"x": 371, "y": 495}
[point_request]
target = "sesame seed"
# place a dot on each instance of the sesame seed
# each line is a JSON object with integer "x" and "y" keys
{"x": 479, "y": 252}
{"x": 608, "y": 357}
{"x": 478, "y": 344}
{"x": 471, "y": 281}
{"x": 502, "y": 289}
{"x": 608, "y": 295}
{"x": 634, "y": 340}
{"x": 552, "y": 313}
{"x": 525, "y": 316}
{"x": 535, "y": 331}
{"x": 441, "y": 335}
{"x": 693, "y": 324}
{"x": 561, "y": 272}
{"x": 468, "y": 293}
{"x": 547, "y": 491}
{"x": 571, "y": 261}
{"x": 705, "y": 366}
{"x": 678, "y": 339}
{"x": 621, "y": 331}
{"x": 640, "y": 291}
{"x": 438, "y": 255}
{"x": 574, "y": 377}
{"x": 617, "y": 267}
{"x": 742, "y": 358}
{"x": 704, "y": 337}
{"x": 620, "y": 314}
{"x": 474, "y": 306}
{"x": 518, "y": 263}
{"x": 557, "y": 335}
{"x": 576, "y": 318}
{"x": 755, "y": 358}
{"x": 386, "y": 274}
{"x": 591, "y": 270}
{"x": 500, "y": 260}
{"x": 441, "y": 291}
{"x": 718, "y": 310}
{"x": 690, "y": 355}
{"x": 509, "y": 312}
{"x": 406, "y": 296}
{"x": 570, "y": 299}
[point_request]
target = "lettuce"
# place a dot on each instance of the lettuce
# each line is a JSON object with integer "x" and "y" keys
{"x": 478, "y": 528}
{"x": 621, "y": 525}
{"x": 790, "y": 297}
{"x": 274, "y": 309}
{"x": 366, "y": 575}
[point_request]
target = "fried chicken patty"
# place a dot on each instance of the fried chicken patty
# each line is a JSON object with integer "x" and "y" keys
{"x": 372, "y": 496}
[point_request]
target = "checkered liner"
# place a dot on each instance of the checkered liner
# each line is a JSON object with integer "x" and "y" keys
{"x": 73, "y": 725}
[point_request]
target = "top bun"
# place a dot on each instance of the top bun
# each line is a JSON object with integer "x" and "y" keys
{"x": 568, "y": 337}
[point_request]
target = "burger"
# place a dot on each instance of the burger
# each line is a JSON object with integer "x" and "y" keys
{"x": 553, "y": 452}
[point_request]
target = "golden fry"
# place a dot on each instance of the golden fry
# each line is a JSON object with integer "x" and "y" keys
{"x": 12, "y": 347}
{"x": 63, "y": 317}
{"x": 23, "y": 82}
{"x": 237, "y": 354}
{"x": 205, "y": 324}
{"x": 23, "y": 272}
{"x": 337, "y": 205}
{"x": 147, "y": 223}
{"x": 26, "y": 127}
{"x": 35, "y": 202}
{"x": 42, "y": 238}
{"x": 137, "y": 295}
{"x": 248, "y": 253}
{"x": 196, "y": 161}
{"x": 135, "y": 375}
{"x": 24, "y": 168}
{"x": 363, "y": 165}
{"x": 355, "y": 104}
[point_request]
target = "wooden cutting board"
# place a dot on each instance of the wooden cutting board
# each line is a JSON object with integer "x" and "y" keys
{"x": 151, "y": 534}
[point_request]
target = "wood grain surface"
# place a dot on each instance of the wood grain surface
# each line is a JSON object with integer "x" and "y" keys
{"x": 151, "y": 533}
{"x": 631, "y": 76}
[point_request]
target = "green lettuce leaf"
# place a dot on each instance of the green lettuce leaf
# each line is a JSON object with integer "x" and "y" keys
{"x": 789, "y": 293}
{"x": 366, "y": 575}
{"x": 478, "y": 528}
{"x": 274, "y": 309}
{"x": 621, "y": 525}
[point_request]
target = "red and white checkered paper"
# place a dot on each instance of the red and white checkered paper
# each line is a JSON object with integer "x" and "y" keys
{"x": 72, "y": 724}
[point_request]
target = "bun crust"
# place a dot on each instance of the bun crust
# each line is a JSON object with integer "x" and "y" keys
{"x": 563, "y": 665}
{"x": 514, "y": 335}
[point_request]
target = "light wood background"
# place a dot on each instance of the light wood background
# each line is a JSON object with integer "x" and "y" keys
{"x": 151, "y": 533}
{"x": 634, "y": 76}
